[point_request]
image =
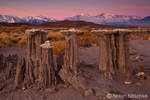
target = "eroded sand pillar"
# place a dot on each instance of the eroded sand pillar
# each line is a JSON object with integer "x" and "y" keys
{"x": 47, "y": 75}
{"x": 71, "y": 58}
{"x": 20, "y": 72}
{"x": 114, "y": 51}
{"x": 35, "y": 38}
{"x": 69, "y": 73}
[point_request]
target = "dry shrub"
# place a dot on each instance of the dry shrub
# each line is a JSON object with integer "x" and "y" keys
{"x": 1, "y": 44}
{"x": 5, "y": 29}
{"x": 19, "y": 30}
{"x": 87, "y": 40}
{"x": 84, "y": 41}
{"x": 56, "y": 28}
{"x": 134, "y": 36}
{"x": 148, "y": 36}
{"x": 142, "y": 66}
{"x": 55, "y": 36}
{"x": 9, "y": 43}
{"x": 16, "y": 37}
{"x": 59, "y": 47}
{"x": 22, "y": 42}
{"x": 3, "y": 35}
{"x": 85, "y": 28}
{"x": 6, "y": 40}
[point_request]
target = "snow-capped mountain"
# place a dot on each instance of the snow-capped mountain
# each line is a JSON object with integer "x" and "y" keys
{"x": 83, "y": 17}
{"x": 116, "y": 18}
{"x": 25, "y": 19}
{"x": 104, "y": 18}
{"x": 37, "y": 19}
{"x": 147, "y": 18}
{"x": 10, "y": 18}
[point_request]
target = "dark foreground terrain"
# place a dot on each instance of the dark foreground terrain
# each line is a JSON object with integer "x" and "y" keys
{"x": 101, "y": 86}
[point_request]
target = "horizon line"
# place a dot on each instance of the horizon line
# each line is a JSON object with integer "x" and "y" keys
{"x": 70, "y": 16}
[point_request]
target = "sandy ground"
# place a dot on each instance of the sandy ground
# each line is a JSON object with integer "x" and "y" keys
{"x": 88, "y": 56}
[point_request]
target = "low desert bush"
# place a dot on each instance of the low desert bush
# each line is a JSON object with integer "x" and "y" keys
{"x": 23, "y": 41}
{"x": 1, "y": 44}
{"x": 16, "y": 37}
{"x": 87, "y": 39}
{"x": 19, "y": 30}
{"x": 133, "y": 37}
{"x": 5, "y": 29}
{"x": 148, "y": 37}
{"x": 85, "y": 29}
{"x": 59, "y": 47}
{"x": 6, "y": 40}
{"x": 55, "y": 36}
{"x": 56, "y": 28}
{"x": 9, "y": 43}
{"x": 142, "y": 66}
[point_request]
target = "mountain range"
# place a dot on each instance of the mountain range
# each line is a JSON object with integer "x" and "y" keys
{"x": 110, "y": 19}
{"x": 25, "y": 19}
{"x": 103, "y": 18}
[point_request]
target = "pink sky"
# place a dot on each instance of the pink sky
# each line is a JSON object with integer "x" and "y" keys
{"x": 60, "y": 9}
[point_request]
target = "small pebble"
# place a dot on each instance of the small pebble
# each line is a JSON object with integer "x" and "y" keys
{"x": 127, "y": 82}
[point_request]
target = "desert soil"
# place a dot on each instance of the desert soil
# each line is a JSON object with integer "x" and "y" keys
{"x": 89, "y": 58}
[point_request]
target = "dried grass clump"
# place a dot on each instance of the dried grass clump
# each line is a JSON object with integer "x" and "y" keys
{"x": 59, "y": 47}
{"x": 148, "y": 37}
{"x": 87, "y": 39}
{"x": 142, "y": 67}
{"x": 19, "y": 30}
{"x": 6, "y": 40}
{"x": 1, "y": 44}
{"x": 55, "y": 36}
{"x": 9, "y": 43}
{"x": 23, "y": 41}
{"x": 133, "y": 37}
